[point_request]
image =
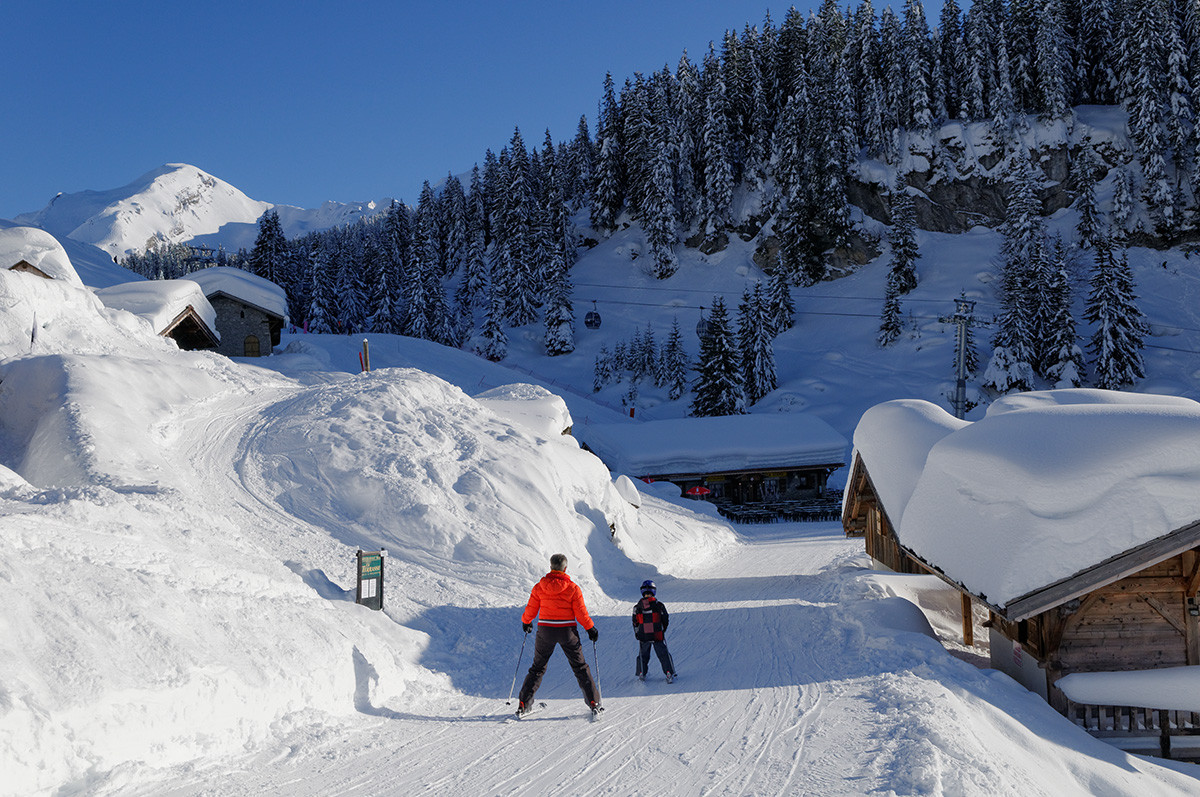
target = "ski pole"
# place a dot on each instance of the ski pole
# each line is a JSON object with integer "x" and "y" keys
{"x": 596, "y": 659}
{"x": 514, "y": 683}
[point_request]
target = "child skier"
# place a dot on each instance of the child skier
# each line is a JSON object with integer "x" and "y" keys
{"x": 650, "y": 621}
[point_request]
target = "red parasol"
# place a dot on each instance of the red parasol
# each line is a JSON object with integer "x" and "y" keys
{"x": 699, "y": 490}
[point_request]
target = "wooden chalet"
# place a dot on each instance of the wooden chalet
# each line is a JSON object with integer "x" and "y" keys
{"x": 1136, "y": 608}
{"x": 25, "y": 267}
{"x": 754, "y": 467}
{"x": 189, "y": 331}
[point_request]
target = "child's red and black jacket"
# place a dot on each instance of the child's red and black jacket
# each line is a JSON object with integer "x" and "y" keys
{"x": 650, "y": 620}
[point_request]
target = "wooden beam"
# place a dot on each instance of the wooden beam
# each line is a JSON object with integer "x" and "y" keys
{"x": 1157, "y": 605}
{"x": 1191, "y": 573}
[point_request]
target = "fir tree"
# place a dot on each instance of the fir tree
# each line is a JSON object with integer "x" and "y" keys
{"x": 495, "y": 342}
{"x": 1122, "y": 205}
{"x": 608, "y": 194}
{"x": 319, "y": 313}
{"x": 658, "y": 212}
{"x": 718, "y": 171}
{"x": 560, "y": 313}
{"x": 903, "y": 238}
{"x": 1116, "y": 342}
{"x": 890, "y": 320}
{"x": 755, "y": 342}
{"x": 1064, "y": 366}
{"x": 780, "y": 307}
{"x": 672, "y": 367}
{"x": 602, "y": 369}
{"x": 1083, "y": 174}
{"x": 718, "y": 386}
{"x": 269, "y": 256}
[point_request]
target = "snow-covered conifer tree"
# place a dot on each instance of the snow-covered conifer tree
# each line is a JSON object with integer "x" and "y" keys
{"x": 1083, "y": 174}
{"x": 780, "y": 307}
{"x": 560, "y": 313}
{"x": 718, "y": 171}
{"x": 602, "y": 369}
{"x": 755, "y": 337}
{"x": 609, "y": 193}
{"x": 672, "y": 366}
{"x": 903, "y": 238}
{"x": 495, "y": 342}
{"x": 1120, "y": 328}
{"x": 890, "y": 320}
{"x": 269, "y": 256}
{"x": 718, "y": 388}
{"x": 1064, "y": 358}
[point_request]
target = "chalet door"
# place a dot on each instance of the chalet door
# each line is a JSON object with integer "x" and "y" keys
{"x": 250, "y": 347}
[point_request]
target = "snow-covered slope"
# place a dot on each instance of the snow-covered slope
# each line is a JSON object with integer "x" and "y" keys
{"x": 177, "y": 203}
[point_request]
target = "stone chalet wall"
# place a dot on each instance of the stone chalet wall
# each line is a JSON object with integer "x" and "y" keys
{"x": 236, "y": 321}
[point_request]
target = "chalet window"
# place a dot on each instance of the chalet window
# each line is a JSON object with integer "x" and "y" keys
{"x": 250, "y": 347}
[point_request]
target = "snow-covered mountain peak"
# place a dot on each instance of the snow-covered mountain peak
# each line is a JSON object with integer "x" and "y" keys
{"x": 176, "y": 203}
{"x": 170, "y": 204}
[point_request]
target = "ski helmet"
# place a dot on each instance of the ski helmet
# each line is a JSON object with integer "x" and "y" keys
{"x": 648, "y": 586}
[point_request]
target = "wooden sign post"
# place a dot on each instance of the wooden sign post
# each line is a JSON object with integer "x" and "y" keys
{"x": 370, "y": 578}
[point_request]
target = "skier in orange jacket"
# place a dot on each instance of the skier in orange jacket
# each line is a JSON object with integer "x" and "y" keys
{"x": 557, "y": 602}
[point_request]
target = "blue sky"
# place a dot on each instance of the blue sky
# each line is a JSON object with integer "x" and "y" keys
{"x": 302, "y": 102}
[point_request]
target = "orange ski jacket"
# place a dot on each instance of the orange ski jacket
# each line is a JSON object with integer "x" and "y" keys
{"x": 557, "y": 600}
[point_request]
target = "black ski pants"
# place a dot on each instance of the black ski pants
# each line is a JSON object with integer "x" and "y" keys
{"x": 567, "y": 637}
{"x": 664, "y": 656}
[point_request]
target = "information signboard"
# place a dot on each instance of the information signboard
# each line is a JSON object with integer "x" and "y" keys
{"x": 370, "y": 579}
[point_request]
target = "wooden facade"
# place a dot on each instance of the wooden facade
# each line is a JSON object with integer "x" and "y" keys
{"x": 1135, "y": 611}
{"x": 189, "y": 331}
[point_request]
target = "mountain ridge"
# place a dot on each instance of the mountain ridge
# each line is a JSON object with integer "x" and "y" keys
{"x": 178, "y": 203}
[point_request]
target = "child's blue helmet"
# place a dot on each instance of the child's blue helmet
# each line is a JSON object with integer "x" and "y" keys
{"x": 648, "y": 587}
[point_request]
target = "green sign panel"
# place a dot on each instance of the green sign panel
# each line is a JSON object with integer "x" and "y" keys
{"x": 370, "y": 579}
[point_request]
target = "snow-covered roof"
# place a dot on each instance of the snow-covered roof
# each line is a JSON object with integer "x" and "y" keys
{"x": 160, "y": 301}
{"x": 531, "y": 406}
{"x": 39, "y": 249}
{"x": 715, "y": 445}
{"x": 1045, "y": 486}
{"x": 242, "y": 285}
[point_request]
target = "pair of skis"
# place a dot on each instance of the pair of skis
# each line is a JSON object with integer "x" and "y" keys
{"x": 520, "y": 715}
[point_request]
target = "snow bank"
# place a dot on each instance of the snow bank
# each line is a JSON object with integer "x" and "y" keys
{"x": 1168, "y": 688}
{"x": 707, "y": 445}
{"x": 40, "y": 316}
{"x": 160, "y": 301}
{"x": 239, "y": 284}
{"x": 39, "y": 249}
{"x": 1043, "y": 486}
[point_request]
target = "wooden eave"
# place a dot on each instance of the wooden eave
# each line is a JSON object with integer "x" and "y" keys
{"x": 1085, "y": 581}
{"x": 194, "y": 325}
{"x": 862, "y": 493}
{"x": 276, "y": 316}
{"x": 830, "y": 466}
{"x": 1112, "y": 569}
